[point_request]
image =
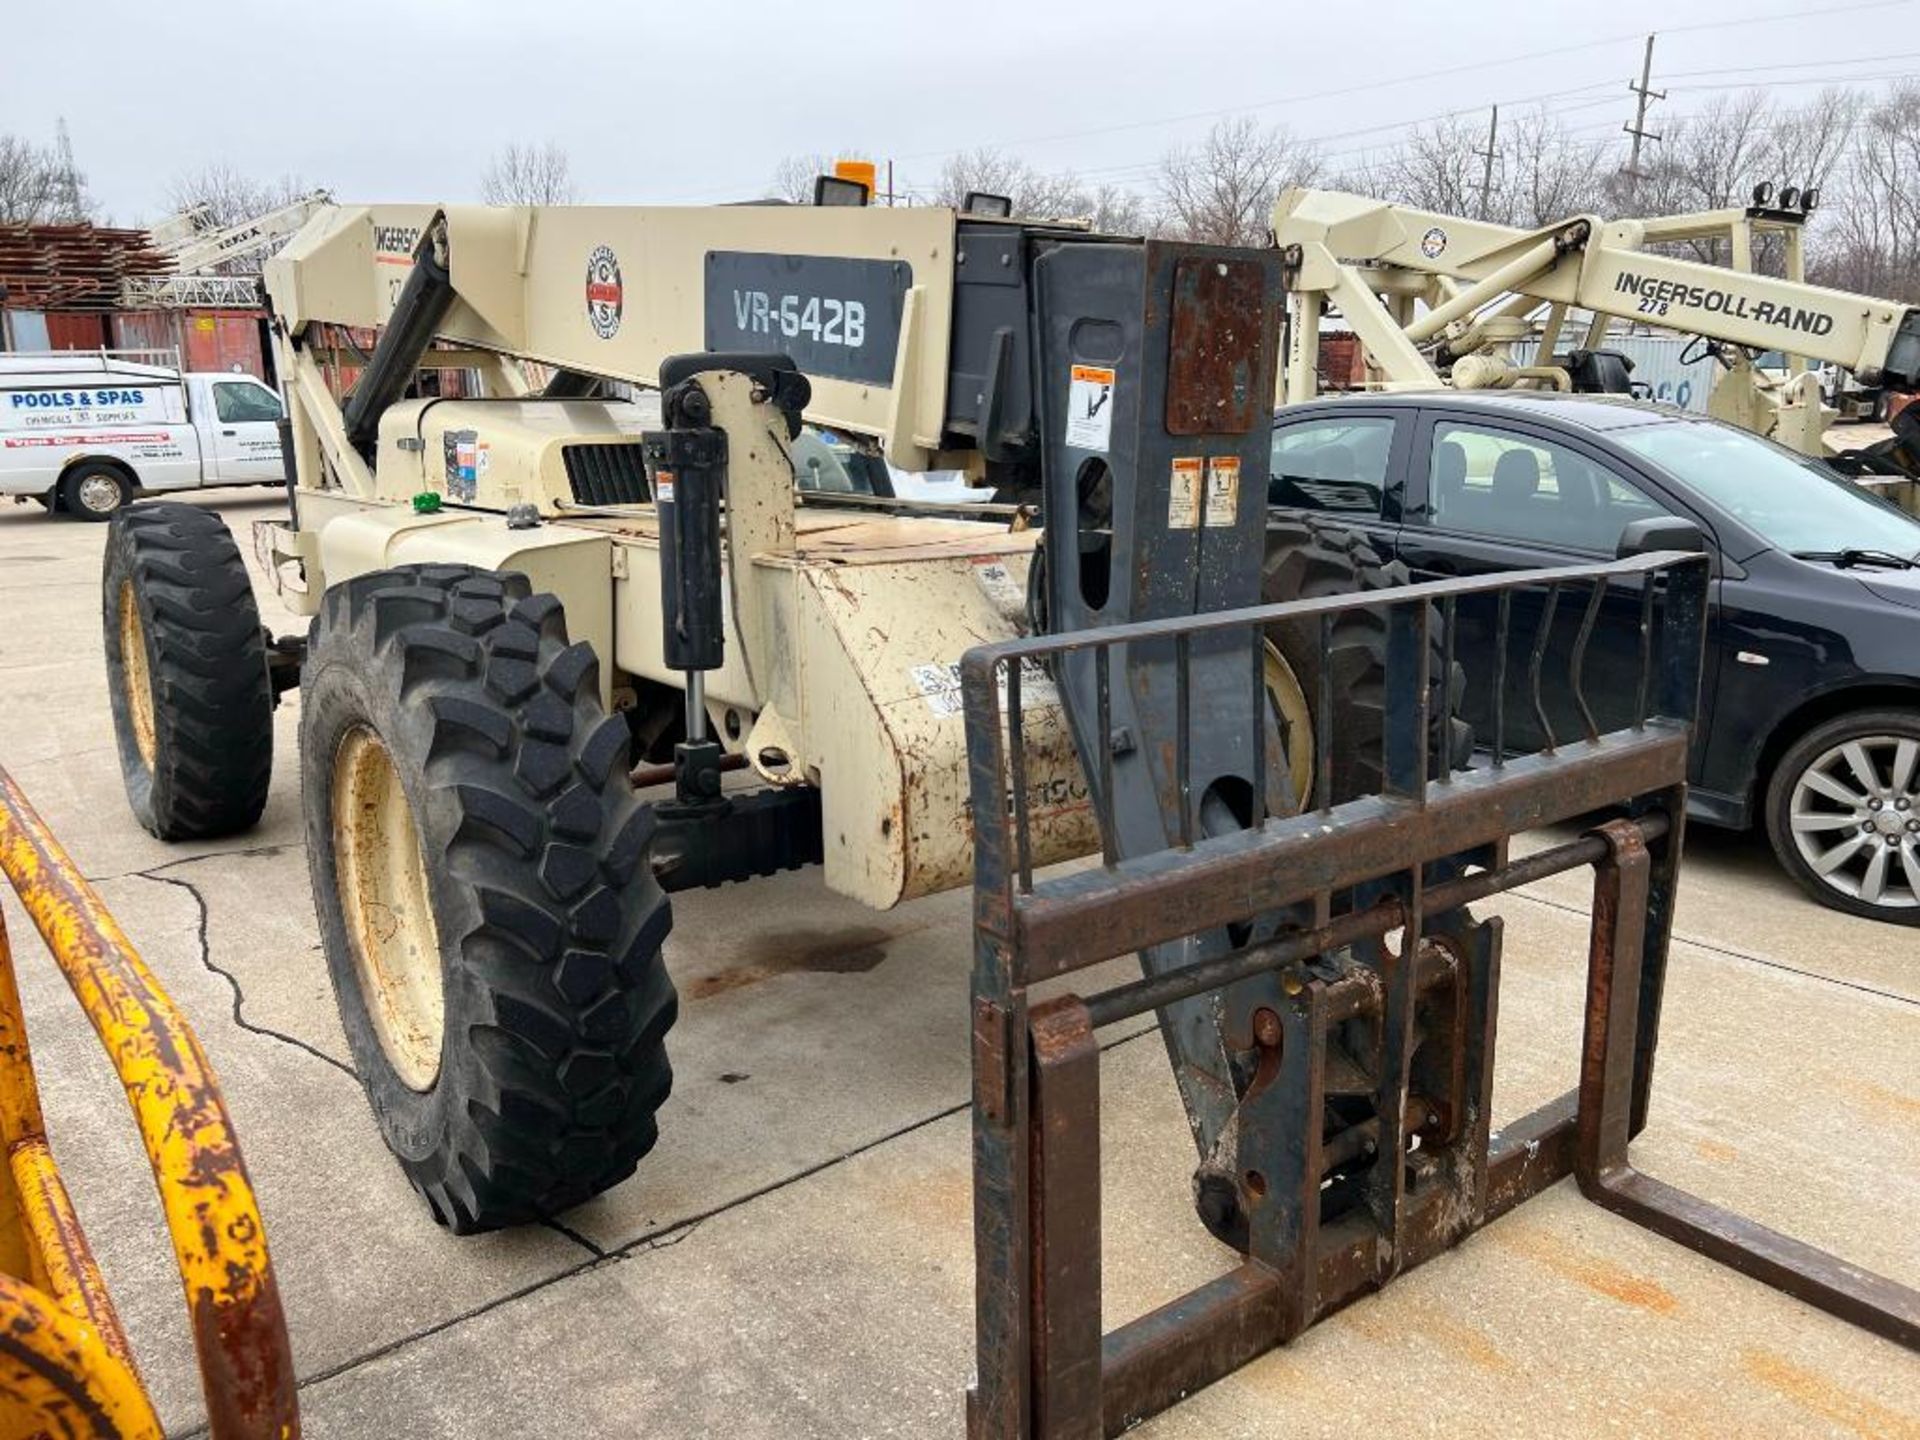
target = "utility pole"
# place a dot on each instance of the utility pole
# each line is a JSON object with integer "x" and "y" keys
{"x": 890, "y": 182}
{"x": 1486, "y": 173}
{"x": 1638, "y": 130}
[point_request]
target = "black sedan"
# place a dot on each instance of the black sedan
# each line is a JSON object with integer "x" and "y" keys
{"x": 1810, "y": 705}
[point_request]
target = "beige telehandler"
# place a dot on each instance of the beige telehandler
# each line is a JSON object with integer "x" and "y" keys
{"x": 535, "y": 611}
{"x": 490, "y": 671}
{"x": 1439, "y": 299}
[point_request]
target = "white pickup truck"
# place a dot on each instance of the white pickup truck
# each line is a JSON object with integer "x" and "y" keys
{"x": 86, "y": 432}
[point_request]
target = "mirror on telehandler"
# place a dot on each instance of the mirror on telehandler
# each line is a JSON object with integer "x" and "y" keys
{"x": 1660, "y": 532}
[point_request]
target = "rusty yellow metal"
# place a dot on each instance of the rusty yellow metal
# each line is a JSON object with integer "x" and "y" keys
{"x": 56, "y": 1315}
{"x": 58, "y": 1377}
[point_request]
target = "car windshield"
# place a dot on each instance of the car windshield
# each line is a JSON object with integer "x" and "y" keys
{"x": 1796, "y": 504}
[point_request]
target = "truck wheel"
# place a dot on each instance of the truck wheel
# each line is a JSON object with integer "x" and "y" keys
{"x": 94, "y": 491}
{"x": 1843, "y": 814}
{"x": 186, "y": 673}
{"x": 1305, "y": 560}
{"x": 480, "y": 871}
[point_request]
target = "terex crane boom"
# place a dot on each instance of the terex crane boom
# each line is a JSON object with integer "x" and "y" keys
{"x": 196, "y": 253}
{"x": 512, "y": 595}
{"x": 1438, "y": 299}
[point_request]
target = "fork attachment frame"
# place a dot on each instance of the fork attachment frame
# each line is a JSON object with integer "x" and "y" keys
{"x": 1357, "y": 1142}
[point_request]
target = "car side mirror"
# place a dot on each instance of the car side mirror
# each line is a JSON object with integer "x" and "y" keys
{"x": 1660, "y": 532}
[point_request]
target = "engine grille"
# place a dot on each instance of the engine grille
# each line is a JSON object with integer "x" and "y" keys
{"x": 606, "y": 474}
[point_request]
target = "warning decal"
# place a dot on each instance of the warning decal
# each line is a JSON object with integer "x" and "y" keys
{"x": 1090, "y": 408}
{"x": 1223, "y": 490}
{"x": 1183, "y": 493}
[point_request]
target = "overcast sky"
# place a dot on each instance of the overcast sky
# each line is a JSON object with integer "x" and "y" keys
{"x": 672, "y": 103}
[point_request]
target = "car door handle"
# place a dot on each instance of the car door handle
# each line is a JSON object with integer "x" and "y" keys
{"x": 229, "y": 432}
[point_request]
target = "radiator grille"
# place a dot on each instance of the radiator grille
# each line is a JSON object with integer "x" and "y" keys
{"x": 606, "y": 474}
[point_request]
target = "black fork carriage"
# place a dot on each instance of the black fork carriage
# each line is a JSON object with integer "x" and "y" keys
{"x": 1321, "y": 976}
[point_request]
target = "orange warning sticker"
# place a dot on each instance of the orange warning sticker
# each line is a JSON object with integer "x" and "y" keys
{"x": 1090, "y": 407}
{"x": 1223, "y": 491}
{"x": 1183, "y": 493}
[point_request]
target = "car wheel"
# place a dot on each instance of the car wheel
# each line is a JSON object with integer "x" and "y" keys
{"x": 1843, "y": 813}
{"x": 94, "y": 491}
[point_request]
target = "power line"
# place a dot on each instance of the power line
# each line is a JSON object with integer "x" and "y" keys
{"x": 1343, "y": 91}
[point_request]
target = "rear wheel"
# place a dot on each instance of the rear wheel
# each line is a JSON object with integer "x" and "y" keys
{"x": 479, "y": 866}
{"x": 94, "y": 491}
{"x": 1843, "y": 814}
{"x": 186, "y": 673}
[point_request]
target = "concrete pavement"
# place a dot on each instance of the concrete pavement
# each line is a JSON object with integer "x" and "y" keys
{"x": 794, "y": 1259}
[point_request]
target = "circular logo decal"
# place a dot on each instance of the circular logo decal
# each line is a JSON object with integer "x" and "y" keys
{"x": 604, "y": 292}
{"x": 1433, "y": 242}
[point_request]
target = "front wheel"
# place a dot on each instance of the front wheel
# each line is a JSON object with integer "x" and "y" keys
{"x": 480, "y": 872}
{"x": 1843, "y": 813}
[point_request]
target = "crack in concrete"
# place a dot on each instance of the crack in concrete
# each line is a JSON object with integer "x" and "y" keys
{"x": 233, "y": 983}
{"x": 152, "y": 872}
{"x": 1732, "y": 954}
{"x": 663, "y": 1239}
{"x": 576, "y": 1237}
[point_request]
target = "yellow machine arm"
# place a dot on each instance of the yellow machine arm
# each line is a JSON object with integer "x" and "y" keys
{"x": 1437, "y": 298}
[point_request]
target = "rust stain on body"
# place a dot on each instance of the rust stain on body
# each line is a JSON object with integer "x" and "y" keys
{"x": 1813, "y": 1391}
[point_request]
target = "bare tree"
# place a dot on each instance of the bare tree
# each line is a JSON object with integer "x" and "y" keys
{"x": 228, "y": 196}
{"x": 28, "y": 181}
{"x": 1116, "y": 210}
{"x": 793, "y": 177}
{"x": 1805, "y": 146}
{"x": 529, "y": 175}
{"x": 1871, "y": 241}
{"x": 1434, "y": 168}
{"x": 1222, "y": 191}
{"x": 994, "y": 172}
{"x": 1545, "y": 173}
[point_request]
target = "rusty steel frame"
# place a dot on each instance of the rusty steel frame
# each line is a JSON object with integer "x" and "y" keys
{"x": 1341, "y": 876}
{"x": 65, "y": 1365}
{"x": 1608, "y": 1178}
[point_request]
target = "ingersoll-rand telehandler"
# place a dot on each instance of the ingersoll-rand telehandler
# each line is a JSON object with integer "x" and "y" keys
{"x": 528, "y": 607}
{"x": 1442, "y": 299}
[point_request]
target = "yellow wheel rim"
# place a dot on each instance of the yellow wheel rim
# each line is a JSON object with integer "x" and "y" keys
{"x": 382, "y": 877}
{"x": 1295, "y": 717}
{"x": 136, "y": 678}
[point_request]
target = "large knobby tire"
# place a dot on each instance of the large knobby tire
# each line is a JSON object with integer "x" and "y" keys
{"x": 186, "y": 673}
{"x": 1843, "y": 814}
{"x": 1307, "y": 559}
{"x": 480, "y": 870}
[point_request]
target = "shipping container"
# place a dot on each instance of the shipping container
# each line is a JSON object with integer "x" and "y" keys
{"x": 76, "y": 330}
{"x": 224, "y": 340}
{"x": 1656, "y": 363}
{"x": 23, "y": 330}
{"x": 146, "y": 329}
